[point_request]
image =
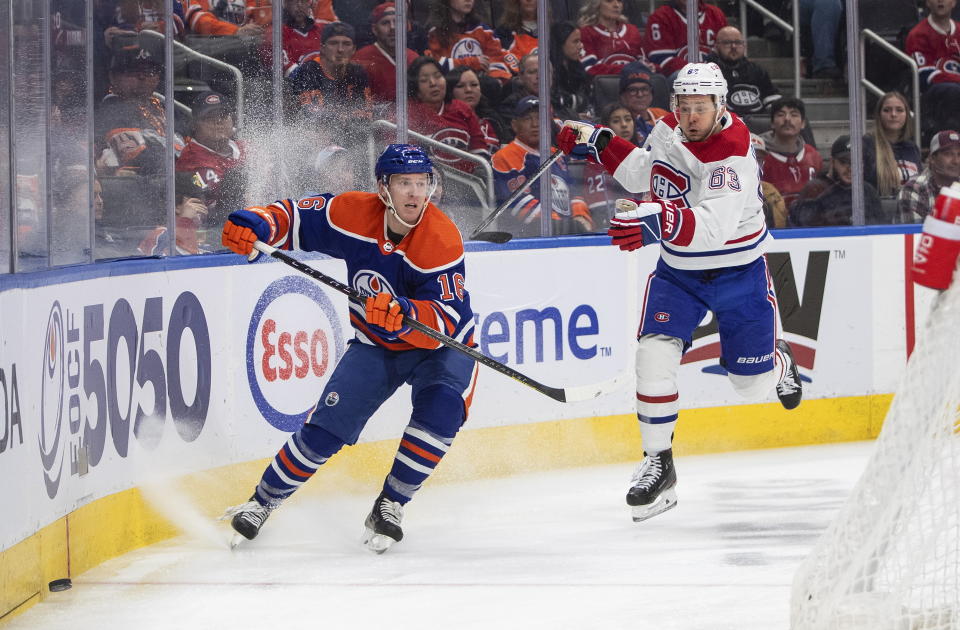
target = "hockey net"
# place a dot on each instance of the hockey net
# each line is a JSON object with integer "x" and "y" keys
{"x": 891, "y": 559}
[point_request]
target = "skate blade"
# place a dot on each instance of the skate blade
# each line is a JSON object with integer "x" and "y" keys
{"x": 377, "y": 543}
{"x": 235, "y": 540}
{"x": 666, "y": 501}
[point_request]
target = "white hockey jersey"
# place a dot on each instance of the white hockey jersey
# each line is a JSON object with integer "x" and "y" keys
{"x": 716, "y": 182}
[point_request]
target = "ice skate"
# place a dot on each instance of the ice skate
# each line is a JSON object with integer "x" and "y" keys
{"x": 247, "y": 520}
{"x": 652, "y": 487}
{"x": 790, "y": 387}
{"x": 383, "y": 525}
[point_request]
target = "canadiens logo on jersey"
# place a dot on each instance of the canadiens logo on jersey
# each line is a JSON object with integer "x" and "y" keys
{"x": 456, "y": 138}
{"x": 667, "y": 182}
{"x": 370, "y": 283}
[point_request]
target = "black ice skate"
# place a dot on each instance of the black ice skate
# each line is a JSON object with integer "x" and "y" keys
{"x": 790, "y": 388}
{"x": 652, "y": 487}
{"x": 247, "y": 520}
{"x": 383, "y": 525}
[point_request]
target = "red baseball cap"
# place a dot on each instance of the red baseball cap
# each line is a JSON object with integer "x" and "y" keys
{"x": 944, "y": 139}
{"x": 382, "y": 10}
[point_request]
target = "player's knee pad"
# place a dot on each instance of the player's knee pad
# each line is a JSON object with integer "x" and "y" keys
{"x": 319, "y": 441}
{"x": 753, "y": 386}
{"x": 439, "y": 409}
{"x": 658, "y": 359}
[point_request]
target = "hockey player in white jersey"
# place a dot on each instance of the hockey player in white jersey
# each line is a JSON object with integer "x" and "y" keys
{"x": 707, "y": 214}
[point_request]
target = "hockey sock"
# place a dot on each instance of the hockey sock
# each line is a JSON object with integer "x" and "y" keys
{"x": 658, "y": 358}
{"x": 422, "y": 446}
{"x": 296, "y": 461}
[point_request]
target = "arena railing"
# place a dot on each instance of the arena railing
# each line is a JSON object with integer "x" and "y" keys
{"x": 877, "y": 40}
{"x": 790, "y": 29}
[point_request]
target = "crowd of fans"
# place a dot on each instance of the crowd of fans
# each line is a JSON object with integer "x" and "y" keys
{"x": 473, "y": 85}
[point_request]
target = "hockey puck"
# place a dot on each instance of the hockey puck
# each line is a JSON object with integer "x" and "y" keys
{"x": 62, "y": 584}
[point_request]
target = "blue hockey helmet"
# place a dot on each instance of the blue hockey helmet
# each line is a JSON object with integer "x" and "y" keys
{"x": 397, "y": 159}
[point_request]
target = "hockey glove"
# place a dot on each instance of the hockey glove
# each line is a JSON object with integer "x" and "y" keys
{"x": 387, "y": 312}
{"x": 635, "y": 225}
{"x": 243, "y": 227}
{"x": 583, "y": 141}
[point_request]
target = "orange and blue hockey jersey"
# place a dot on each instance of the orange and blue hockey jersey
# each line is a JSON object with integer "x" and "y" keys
{"x": 426, "y": 266}
{"x": 513, "y": 165}
{"x": 467, "y": 47}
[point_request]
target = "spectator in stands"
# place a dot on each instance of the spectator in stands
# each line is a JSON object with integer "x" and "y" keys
{"x": 609, "y": 41}
{"x": 636, "y": 94}
{"x": 329, "y": 81}
{"x": 131, "y": 121}
{"x": 601, "y": 190}
{"x": 301, "y": 37}
{"x": 572, "y": 86}
{"x": 666, "y": 43}
{"x": 750, "y": 90}
{"x": 451, "y": 122}
{"x": 943, "y": 169}
{"x": 934, "y": 44}
{"x": 517, "y": 30}
{"x": 822, "y": 18}
{"x": 790, "y": 162}
{"x": 890, "y": 156}
{"x": 464, "y": 85}
{"x": 245, "y": 20}
{"x": 132, "y": 16}
{"x": 516, "y": 162}
{"x": 212, "y": 152}
{"x": 379, "y": 58}
{"x": 526, "y": 83}
{"x": 828, "y": 198}
{"x": 774, "y": 208}
{"x": 458, "y": 38}
{"x": 190, "y": 210}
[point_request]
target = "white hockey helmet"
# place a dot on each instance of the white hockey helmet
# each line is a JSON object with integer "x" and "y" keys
{"x": 700, "y": 78}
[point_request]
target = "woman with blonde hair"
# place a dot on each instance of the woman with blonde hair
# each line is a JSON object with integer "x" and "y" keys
{"x": 890, "y": 155}
{"x": 609, "y": 41}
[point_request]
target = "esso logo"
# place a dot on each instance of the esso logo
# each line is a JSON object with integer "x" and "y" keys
{"x": 668, "y": 183}
{"x": 293, "y": 343}
{"x": 370, "y": 283}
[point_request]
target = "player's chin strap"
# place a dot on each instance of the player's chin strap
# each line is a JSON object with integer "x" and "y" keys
{"x": 388, "y": 202}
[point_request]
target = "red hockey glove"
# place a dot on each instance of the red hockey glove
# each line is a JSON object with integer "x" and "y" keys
{"x": 387, "y": 312}
{"x": 935, "y": 260}
{"x": 582, "y": 140}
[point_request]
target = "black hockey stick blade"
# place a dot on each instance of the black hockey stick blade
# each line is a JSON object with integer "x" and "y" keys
{"x": 516, "y": 194}
{"x": 568, "y": 394}
{"x": 492, "y": 237}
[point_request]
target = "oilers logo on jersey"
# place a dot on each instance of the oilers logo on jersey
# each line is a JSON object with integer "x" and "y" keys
{"x": 667, "y": 182}
{"x": 466, "y": 47}
{"x": 370, "y": 283}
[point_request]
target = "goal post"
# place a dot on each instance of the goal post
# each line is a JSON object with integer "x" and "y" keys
{"x": 891, "y": 559}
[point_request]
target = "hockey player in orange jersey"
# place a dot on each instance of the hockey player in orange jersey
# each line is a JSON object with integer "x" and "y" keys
{"x": 407, "y": 256}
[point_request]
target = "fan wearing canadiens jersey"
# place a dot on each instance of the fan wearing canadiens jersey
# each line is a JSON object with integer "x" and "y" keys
{"x": 407, "y": 256}
{"x": 707, "y": 214}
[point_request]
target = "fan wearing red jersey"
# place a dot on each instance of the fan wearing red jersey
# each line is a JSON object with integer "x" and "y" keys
{"x": 667, "y": 34}
{"x": 934, "y": 44}
{"x": 707, "y": 216}
{"x": 407, "y": 256}
{"x": 609, "y": 41}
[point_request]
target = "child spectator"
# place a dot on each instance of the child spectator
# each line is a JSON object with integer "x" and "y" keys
{"x": 190, "y": 211}
{"x": 666, "y": 42}
{"x": 890, "y": 156}
{"x": 457, "y": 38}
{"x": 943, "y": 169}
{"x": 790, "y": 162}
{"x": 828, "y": 198}
{"x": 601, "y": 190}
{"x": 518, "y": 27}
{"x": 609, "y": 41}
{"x": 516, "y": 162}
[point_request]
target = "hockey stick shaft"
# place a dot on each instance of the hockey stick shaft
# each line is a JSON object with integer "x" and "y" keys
{"x": 572, "y": 394}
{"x": 517, "y": 193}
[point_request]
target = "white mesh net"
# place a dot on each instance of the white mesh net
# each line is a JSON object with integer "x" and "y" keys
{"x": 891, "y": 559}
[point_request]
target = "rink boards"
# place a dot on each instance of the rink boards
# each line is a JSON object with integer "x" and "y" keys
{"x": 192, "y": 371}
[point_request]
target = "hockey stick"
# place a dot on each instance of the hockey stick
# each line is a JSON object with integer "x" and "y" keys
{"x": 478, "y": 233}
{"x": 561, "y": 394}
